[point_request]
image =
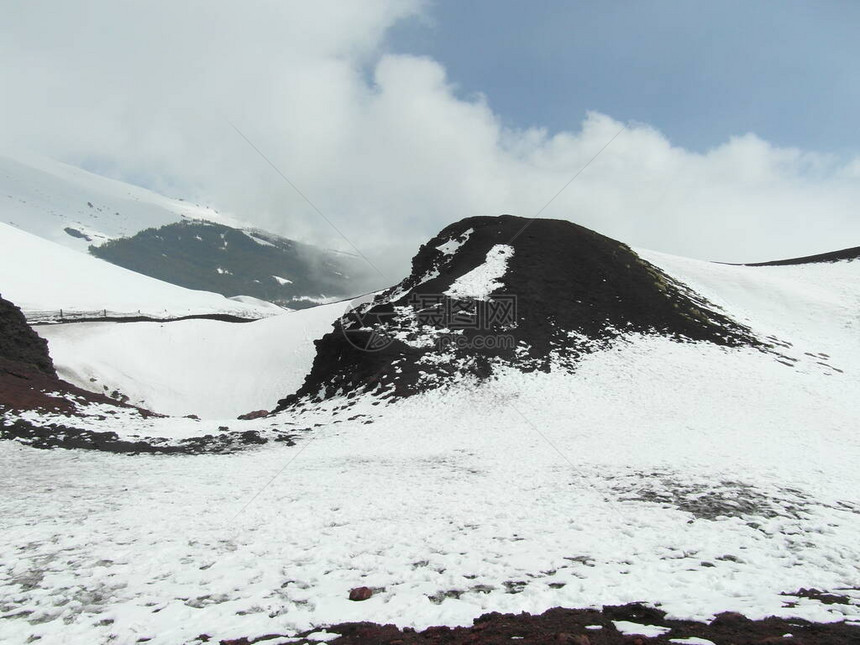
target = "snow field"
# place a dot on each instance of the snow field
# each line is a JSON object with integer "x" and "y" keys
{"x": 455, "y": 505}
{"x": 481, "y": 281}
{"x": 209, "y": 368}
{"x": 698, "y": 478}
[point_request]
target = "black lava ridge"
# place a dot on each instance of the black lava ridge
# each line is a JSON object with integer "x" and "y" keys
{"x": 565, "y": 291}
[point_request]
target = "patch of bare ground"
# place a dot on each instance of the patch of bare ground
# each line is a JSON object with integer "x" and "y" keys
{"x": 612, "y": 625}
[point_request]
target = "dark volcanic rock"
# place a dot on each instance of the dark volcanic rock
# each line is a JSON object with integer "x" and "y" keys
{"x": 566, "y": 290}
{"x": 73, "y": 232}
{"x": 19, "y": 343}
{"x": 256, "y": 414}
{"x": 28, "y": 380}
{"x": 592, "y": 627}
{"x": 834, "y": 256}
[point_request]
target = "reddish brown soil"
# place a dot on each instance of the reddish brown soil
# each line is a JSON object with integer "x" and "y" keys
{"x": 19, "y": 343}
{"x": 570, "y": 626}
{"x": 23, "y": 387}
{"x": 28, "y": 380}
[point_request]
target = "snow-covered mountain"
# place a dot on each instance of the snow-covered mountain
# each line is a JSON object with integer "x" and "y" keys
{"x": 48, "y": 281}
{"x": 77, "y": 208}
{"x": 617, "y": 425}
{"x": 175, "y": 241}
{"x": 232, "y": 261}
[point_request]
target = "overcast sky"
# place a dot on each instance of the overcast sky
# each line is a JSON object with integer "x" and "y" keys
{"x": 738, "y": 120}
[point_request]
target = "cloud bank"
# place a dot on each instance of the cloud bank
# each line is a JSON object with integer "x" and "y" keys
{"x": 378, "y": 141}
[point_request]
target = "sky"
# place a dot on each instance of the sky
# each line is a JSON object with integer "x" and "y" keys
{"x": 699, "y": 72}
{"x": 722, "y": 131}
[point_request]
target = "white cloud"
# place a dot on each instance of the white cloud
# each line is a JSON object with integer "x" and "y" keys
{"x": 379, "y": 142}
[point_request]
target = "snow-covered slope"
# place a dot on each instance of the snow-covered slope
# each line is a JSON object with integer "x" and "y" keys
{"x": 66, "y": 204}
{"x": 231, "y": 261}
{"x": 41, "y": 276}
{"x": 815, "y": 306}
{"x": 170, "y": 239}
{"x": 208, "y": 368}
{"x": 697, "y": 476}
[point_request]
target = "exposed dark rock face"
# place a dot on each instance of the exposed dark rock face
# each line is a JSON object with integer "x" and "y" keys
{"x": 73, "y": 232}
{"x": 565, "y": 290}
{"x": 19, "y": 344}
{"x": 28, "y": 380}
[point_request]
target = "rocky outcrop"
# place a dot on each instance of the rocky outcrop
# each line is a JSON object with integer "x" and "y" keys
{"x": 19, "y": 345}
{"x": 490, "y": 291}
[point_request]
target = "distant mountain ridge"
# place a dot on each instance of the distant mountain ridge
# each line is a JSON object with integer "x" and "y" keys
{"x": 230, "y": 261}
{"x": 169, "y": 238}
{"x": 852, "y": 253}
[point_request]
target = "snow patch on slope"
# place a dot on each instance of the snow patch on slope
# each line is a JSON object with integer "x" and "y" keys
{"x": 450, "y": 247}
{"x": 635, "y": 629}
{"x": 261, "y": 305}
{"x": 481, "y": 281}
